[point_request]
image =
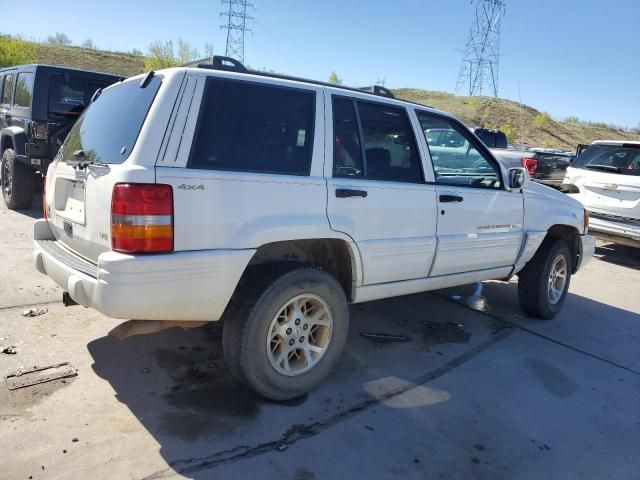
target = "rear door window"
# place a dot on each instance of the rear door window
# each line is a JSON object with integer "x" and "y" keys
{"x": 24, "y": 89}
{"x": 7, "y": 90}
{"x": 70, "y": 94}
{"x": 251, "y": 127}
{"x": 380, "y": 132}
{"x": 108, "y": 129}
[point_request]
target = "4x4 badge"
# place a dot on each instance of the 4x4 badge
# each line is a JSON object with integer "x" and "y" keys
{"x": 184, "y": 186}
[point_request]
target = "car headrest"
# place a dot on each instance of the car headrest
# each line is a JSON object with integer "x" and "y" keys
{"x": 378, "y": 159}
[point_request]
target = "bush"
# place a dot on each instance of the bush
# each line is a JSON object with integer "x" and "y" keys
{"x": 510, "y": 132}
{"x": 160, "y": 56}
{"x": 542, "y": 120}
{"x": 59, "y": 39}
{"x": 16, "y": 52}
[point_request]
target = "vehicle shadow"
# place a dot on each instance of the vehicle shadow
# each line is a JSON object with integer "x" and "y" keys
{"x": 35, "y": 210}
{"x": 178, "y": 386}
{"x": 619, "y": 255}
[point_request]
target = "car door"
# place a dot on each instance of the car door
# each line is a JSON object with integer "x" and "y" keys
{"x": 376, "y": 189}
{"x": 479, "y": 221}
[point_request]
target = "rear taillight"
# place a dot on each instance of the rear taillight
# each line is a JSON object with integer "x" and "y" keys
{"x": 142, "y": 218}
{"x": 44, "y": 197}
{"x": 531, "y": 164}
{"x": 40, "y": 130}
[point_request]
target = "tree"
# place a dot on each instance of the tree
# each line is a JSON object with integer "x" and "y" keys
{"x": 59, "y": 39}
{"x": 88, "y": 43}
{"x": 208, "y": 49}
{"x": 136, "y": 52}
{"x": 186, "y": 53}
{"x": 160, "y": 56}
{"x": 16, "y": 52}
{"x": 333, "y": 78}
{"x": 542, "y": 120}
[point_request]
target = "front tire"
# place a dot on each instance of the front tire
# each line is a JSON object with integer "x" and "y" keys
{"x": 285, "y": 330}
{"x": 543, "y": 283}
{"x": 18, "y": 182}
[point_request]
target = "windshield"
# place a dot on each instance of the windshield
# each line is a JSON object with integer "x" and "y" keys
{"x": 618, "y": 159}
{"x": 70, "y": 94}
{"x": 107, "y": 130}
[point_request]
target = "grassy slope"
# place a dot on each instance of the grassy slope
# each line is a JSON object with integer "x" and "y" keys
{"x": 123, "y": 64}
{"x": 480, "y": 111}
{"x": 476, "y": 111}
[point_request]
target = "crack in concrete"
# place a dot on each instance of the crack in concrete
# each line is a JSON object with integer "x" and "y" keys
{"x": 541, "y": 335}
{"x": 300, "y": 432}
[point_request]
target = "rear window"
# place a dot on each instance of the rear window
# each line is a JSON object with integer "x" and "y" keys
{"x": 70, "y": 94}
{"x": 621, "y": 159}
{"x": 107, "y": 131}
{"x": 250, "y": 127}
{"x": 492, "y": 139}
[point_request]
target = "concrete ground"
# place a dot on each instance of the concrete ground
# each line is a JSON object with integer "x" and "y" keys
{"x": 479, "y": 391}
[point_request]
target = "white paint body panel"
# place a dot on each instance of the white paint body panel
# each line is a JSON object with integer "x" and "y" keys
{"x": 482, "y": 231}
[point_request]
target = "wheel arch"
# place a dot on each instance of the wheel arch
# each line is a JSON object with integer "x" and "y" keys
{"x": 571, "y": 237}
{"x": 334, "y": 255}
{"x": 14, "y": 138}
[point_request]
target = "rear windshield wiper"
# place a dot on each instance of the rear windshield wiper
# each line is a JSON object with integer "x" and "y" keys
{"x": 606, "y": 168}
{"x": 80, "y": 163}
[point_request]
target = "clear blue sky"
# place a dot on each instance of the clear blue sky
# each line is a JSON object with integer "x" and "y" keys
{"x": 571, "y": 57}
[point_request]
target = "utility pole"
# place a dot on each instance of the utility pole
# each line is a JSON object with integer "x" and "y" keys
{"x": 236, "y": 26}
{"x": 479, "y": 68}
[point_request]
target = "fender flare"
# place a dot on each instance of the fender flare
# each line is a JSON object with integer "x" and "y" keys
{"x": 18, "y": 139}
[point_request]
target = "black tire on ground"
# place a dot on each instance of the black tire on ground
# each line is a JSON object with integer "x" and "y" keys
{"x": 18, "y": 182}
{"x": 533, "y": 280}
{"x": 247, "y": 321}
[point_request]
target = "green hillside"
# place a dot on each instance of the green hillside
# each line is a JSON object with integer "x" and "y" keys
{"x": 538, "y": 130}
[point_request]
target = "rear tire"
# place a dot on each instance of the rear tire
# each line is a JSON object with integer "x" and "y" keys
{"x": 543, "y": 283}
{"x": 285, "y": 330}
{"x": 18, "y": 182}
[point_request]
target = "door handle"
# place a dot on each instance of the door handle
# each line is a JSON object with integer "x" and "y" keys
{"x": 450, "y": 198}
{"x": 347, "y": 192}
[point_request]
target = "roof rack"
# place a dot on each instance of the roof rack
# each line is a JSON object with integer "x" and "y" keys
{"x": 229, "y": 64}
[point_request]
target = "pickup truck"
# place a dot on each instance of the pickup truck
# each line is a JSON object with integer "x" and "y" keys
{"x": 271, "y": 203}
{"x": 545, "y": 166}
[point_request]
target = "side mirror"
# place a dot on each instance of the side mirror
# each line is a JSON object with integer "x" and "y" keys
{"x": 517, "y": 178}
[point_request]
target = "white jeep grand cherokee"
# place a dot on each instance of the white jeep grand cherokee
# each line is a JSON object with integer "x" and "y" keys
{"x": 200, "y": 194}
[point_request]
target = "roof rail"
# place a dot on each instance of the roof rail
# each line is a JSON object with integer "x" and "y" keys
{"x": 229, "y": 64}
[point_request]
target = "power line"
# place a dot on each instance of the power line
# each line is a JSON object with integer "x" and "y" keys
{"x": 481, "y": 61}
{"x": 236, "y": 26}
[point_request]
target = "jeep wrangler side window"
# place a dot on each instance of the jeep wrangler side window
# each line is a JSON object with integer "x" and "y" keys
{"x": 454, "y": 154}
{"x": 389, "y": 145}
{"x": 250, "y": 127}
{"x": 24, "y": 90}
{"x": 7, "y": 91}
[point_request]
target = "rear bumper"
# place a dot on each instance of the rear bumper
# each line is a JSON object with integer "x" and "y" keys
{"x": 180, "y": 286}
{"x": 587, "y": 247}
{"x": 616, "y": 231}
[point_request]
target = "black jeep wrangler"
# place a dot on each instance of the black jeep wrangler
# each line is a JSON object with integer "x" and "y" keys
{"x": 38, "y": 106}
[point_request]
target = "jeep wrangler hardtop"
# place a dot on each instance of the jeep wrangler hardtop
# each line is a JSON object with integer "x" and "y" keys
{"x": 271, "y": 203}
{"x": 38, "y": 106}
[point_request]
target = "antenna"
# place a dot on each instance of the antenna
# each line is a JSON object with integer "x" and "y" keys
{"x": 236, "y": 26}
{"x": 479, "y": 68}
